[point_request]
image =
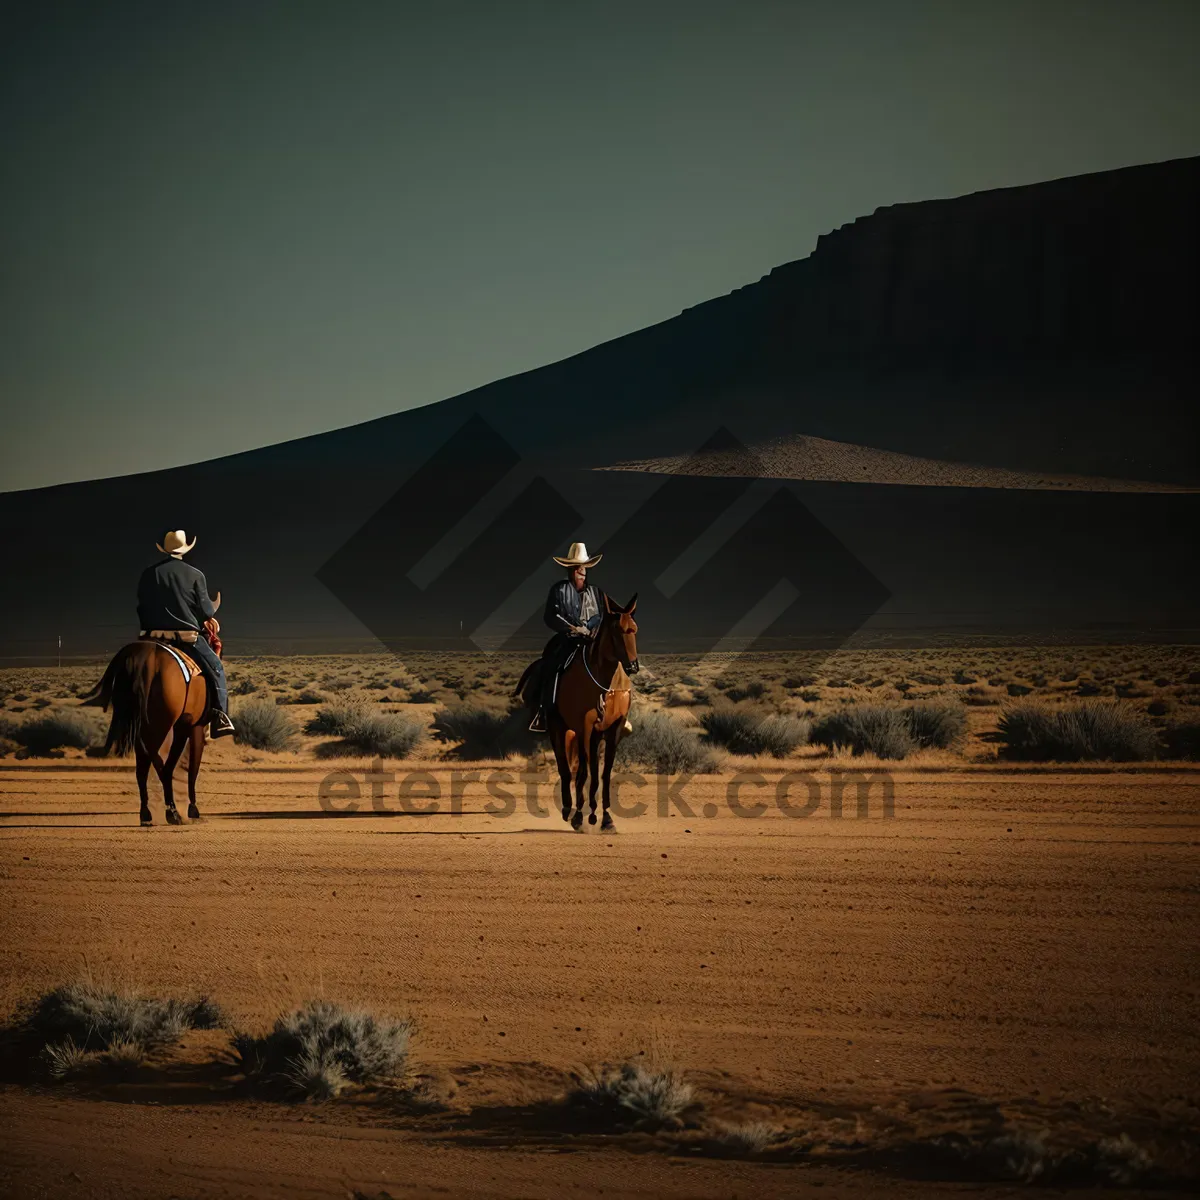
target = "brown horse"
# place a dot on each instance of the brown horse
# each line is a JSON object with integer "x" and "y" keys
{"x": 593, "y": 701}
{"x": 151, "y": 698}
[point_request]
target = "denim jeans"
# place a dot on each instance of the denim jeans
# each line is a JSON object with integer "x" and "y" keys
{"x": 210, "y": 664}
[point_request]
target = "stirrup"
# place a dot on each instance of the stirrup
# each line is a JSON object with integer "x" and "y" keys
{"x": 538, "y": 724}
{"x": 220, "y": 725}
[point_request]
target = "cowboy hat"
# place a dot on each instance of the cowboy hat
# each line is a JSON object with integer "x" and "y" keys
{"x": 175, "y": 542}
{"x": 577, "y": 556}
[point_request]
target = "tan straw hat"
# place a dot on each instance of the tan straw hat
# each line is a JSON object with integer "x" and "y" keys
{"x": 577, "y": 556}
{"x": 176, "y": 542}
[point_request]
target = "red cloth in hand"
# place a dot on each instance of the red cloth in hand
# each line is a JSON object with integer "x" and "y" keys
{"x": 212, "y": 637}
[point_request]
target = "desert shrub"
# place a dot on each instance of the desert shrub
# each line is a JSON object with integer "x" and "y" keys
{"x": 422, "y": 695}
{"x": 936, "y": 724}
{"x": 660, "y": 743}
{"x": 929, "y": 680}
{"x": 97, "y": 1018}
{"x": 748, "y": 731}
{"x": 40, "y": 735}
{"x": 306, "y": 696}
{"x": 263, "y": 725}
{"x": 243, "y": 687}
{"x": 1092, "y": 730}
{"x": 798, "y": 681}
{"x": 336, "y": 719}
{"x": 634, "y": 1096}
{"x": 1182, "y": 741}
{"x": 878, "y": 729}
{"x": 753, "y": 1137}
{"x": 318, "y": 1049}
{"x": 961, "y": 677}
{"x": 477, "y": 732}
{"x": 383, "y": 735}
{"x": 1028, "y": 1157}
{"x": 1018, "y": 689}
{"x": 753, "y": 690}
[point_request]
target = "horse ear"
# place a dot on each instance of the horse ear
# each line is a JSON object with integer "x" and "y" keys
{"x": 631, "y": 605}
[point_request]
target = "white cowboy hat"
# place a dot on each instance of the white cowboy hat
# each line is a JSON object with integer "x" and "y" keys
{"x": 175, "y": 542}
{"x": 577, "y": 556}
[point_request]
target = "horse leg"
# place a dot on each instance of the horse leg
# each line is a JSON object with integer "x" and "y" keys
{"x": 593, "y": 773}
{"x": 166, "y": 773}
{"x": 581, "y": 772}
{"x": 610, "y": 752}
{"x": 142, "y": 771}
{"x": 564, "y": 772}
{"x": 195, "y": 752}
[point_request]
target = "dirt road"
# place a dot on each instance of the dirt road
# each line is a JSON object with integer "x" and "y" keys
{"x": 1021, "y": 936}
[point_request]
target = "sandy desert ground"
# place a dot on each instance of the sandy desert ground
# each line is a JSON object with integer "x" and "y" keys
{"x": 1011, "y": 952}
{"x": 1013, "y": 942}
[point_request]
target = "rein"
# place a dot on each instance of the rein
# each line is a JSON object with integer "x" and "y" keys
{"x": 604, "y": 688}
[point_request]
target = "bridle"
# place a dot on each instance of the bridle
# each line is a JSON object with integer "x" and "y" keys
{"x": 604, "y": 687}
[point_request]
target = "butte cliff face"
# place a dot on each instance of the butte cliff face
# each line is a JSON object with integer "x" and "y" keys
{"x": 1049, "y": 328}
{"x": 1074, "y": 269}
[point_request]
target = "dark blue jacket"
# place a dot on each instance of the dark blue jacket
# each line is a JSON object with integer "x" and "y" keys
{"x": 562, "y": 606}
{"x": 173, "y": 594}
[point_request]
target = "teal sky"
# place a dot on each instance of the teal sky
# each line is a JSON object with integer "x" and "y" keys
{"x": 227, "y": 225}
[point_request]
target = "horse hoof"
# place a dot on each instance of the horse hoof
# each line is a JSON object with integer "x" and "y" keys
{"x": 193, "y": 813}
{"x": 577, "y": 821}
{"x": 566, "y": 812}
{"x": 607, "y": 825}
{"x": 146, "y": 819}
{"x": 591, "y": 818}
{"x": 173, "y": 817}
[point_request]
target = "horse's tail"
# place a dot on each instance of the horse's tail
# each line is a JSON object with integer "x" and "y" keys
{"x": 101, "y": 695}
{"x": 126, "y": 689}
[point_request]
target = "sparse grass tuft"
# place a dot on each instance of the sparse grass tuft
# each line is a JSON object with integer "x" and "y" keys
{"x": 316, "y": 1050}
{"x": 753, "y": 1137}
{"x": 65, "y": 1058}
{"x": 1095, "y": 730}
{"x": 98, "y": 1018}
{"x": 660, "y": 743}
{"x": 124, "y": 1056}
{"x": 634, "y": 1096}
{"x": 317, "y": 1074}
{"x": 263, "y": 725}
{"x": 1034, "y": 1157}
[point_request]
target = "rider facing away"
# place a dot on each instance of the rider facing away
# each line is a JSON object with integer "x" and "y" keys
{"x": 574, "y": 609}
{"x": 174, "y": 605}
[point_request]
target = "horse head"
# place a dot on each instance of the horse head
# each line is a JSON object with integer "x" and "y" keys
{"x": 622, "y": 628}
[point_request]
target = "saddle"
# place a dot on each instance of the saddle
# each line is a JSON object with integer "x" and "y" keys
{"x": 172, "y": 641}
